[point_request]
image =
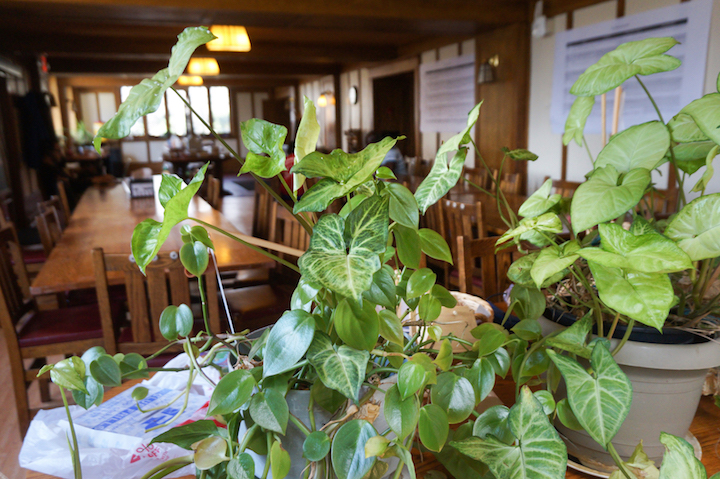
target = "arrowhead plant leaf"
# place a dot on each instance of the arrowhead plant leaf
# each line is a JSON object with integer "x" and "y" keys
{"x": 640, "y": 146}
{"x": 540, "y": 202}
{"x": 342, "y": 370}
{"x": 263, "y": 138}
{"x": 575, "y": 123}
{"x": 696, "y": 228}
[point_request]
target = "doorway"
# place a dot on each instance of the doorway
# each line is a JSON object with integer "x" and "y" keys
{"x": 394, "y": 108}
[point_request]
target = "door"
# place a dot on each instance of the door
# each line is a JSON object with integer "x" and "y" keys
{"x": 394, "y": 108}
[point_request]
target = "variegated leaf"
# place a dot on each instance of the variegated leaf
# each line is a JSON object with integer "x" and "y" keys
{"x": 342, "y": 370}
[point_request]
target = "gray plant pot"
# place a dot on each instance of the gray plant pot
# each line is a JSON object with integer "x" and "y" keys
{"x": 667, "y": 381}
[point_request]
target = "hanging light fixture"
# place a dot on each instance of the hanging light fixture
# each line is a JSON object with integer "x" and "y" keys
{"x": 325, "y": 98}
{"x": 190, "y": 80}
{"x": 203, "y": 66}
{"x": 230, "y": 38}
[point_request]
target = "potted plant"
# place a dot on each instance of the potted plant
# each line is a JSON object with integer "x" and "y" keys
{"x": 624, "y": 272}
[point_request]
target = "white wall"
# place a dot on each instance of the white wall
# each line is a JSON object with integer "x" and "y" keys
{"x": 546, "y": 144}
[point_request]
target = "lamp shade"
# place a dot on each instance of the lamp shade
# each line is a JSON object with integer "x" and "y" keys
{"x": 230, "y": 38}
{"x": 203, "y": 66}
{"x": 193, "y": 80}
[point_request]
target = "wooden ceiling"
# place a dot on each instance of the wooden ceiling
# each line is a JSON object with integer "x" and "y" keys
{"x": 290, "y": 38}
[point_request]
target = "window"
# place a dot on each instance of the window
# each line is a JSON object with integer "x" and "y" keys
{"x": 174, "y": 117}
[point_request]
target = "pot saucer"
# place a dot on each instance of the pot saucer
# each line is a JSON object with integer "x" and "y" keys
{"x": 575, "y": 464}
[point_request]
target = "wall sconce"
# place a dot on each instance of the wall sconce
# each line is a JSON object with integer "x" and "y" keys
{"x": 230, "y": 38}
{"x": 190, "y": 80}
{"x": 486, "y": 71}
{"x": 203, "y": 66}
{"x": 325, "y": 98}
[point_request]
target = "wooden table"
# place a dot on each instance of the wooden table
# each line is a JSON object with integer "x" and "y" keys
{"x": 106, "y": 216}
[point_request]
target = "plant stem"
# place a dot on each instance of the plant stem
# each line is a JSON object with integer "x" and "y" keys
{"x": 251, "y": 246}
{"x": 587, "y": 148}
{"x": 618, "y": 460}
{"x": 77, "y": 467}
{"x": 193, "y": 359}
{"x": 299, "y": 424}
{"x": 191, "y": 377}
{"x": 185, "y": 460}
{"x": 247, "y": 437}
{"x": 203, "y": 304}
{"x": 614, "y": 325}
{"x": 268, "y": 439}
{"x": 625, "y": 338}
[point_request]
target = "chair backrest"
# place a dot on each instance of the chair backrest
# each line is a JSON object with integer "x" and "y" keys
{"x": 214, "y": 192}
{"x": 62, "y": 193}
{"x": 564, "y": 188}
{"x": 14, "y": 281}
{"x": 462, "y": 220}
{"x": 48, "y": 225}
{"x": 477, "y": 176}
{"x": 164, "y": 283}
{"x": 261, "y": 217}
{"x": 55, "y": 203}
{"x": 286, "y": 230}
{"x": 493, "y": 268}
{"x": 510, "y": 183}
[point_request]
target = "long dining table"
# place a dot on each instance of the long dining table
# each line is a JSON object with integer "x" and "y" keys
{"x": 106, "y": 216}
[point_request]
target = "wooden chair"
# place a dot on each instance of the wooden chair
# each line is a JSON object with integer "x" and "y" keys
{"x": 214, "y": 193}
{"x": 31, "y": 335}
{"x": 564, "y": 188}
{"x": 493, "y": 270}
{"x": 477, "y": 176}
{"x": 462, "y": 220}
{"x": 49, "y": 228}
{"x": 261, "y": 218}
{"x": 64, "y": 202}
{"x": 510, "y": 184}
{"x": 165, "y": 283}
{"x": 56, "y": 203}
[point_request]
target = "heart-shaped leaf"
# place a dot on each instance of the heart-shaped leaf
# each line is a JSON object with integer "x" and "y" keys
{"x": 644, "y": 297}
{"x": 176, "y": 321}
{"x": 455, "y": 395}
{"x": 262, "y": 137}
{"x": 233, "y": 390}
{"x": 94, "y": 395}
{"x": 605, "y": 196}
{"x": 640, "y": 146}
{"x": 444, "y": 175}
{"x": 601, "y": 401}
{"x": 547, "y": 224}
{"x": 105, "y": 371}
{"x": 574, "y": 338}
{"x": 685, "y": 130}
{"x": 540, "y": 453}
{"x": 706, "y": 113}
{"x": 149, "y": 236}
{"x": 194, "y": 256}
{"x": 289, "y": 339}
{"x": 553, "y": 260}
{"x": 348, "y": 449}
{"x": 401, "y": 414}
{"x": 146, "y": 97}
{"x": 316, "y": 446}
{"x": 540, "y": 202}
{"x": 269, "y": 410}
{"x": 342, "y": 370}
{"x": 279, "y": 461}
{"x": 648, "y": 253}
{"x": 575, "y": 123}
{"x": 433, "y": 427}
{"x": 696, "y": 228}
{"x": 642, "y": 57}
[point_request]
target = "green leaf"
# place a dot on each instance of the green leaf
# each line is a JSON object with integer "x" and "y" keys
{"x": 500, "y": 361}
{"x": 408, "y": 245}
{"x": 548, "y": 223}
{"x": 429, "y": 308}
{"x": 553, "y": 260}
{"x": 348, "y": 449}
{"x": 146, "y": 97}
{"x": 642, "y": 57}
{"x": 328, "y": 263}
{"x": 391, "y": 327}
{"x": 411, "y": 377}
{"x": 262, "y": 137}
{"x": 139, "y": 393}
{"x": 709, "y": 171}
{"x": 149, "y": 236}
{"x": 187, "y": 435}
{"x": 105, "y": 371}
{"x": 385, "y": 173}
{"x": 434, "y": 245}
{"x": 233, "y": 390}
{"x": 241, "y": 467}
{"x": 647, "y": 253}
{"x": 540, "y": 453}
{"x": 528, "y": 330}
{"x": 176, "y": 321}
{"x": 279, "y": 461}
{"x": 530, "y": 302}
{"x": 196, "y": 233}
{"x": 640, "y": 146}
{"x": 575, "y": 123}
{"x": 546, "y": 400}
{"x": 482, "y": 378}
{"x": 606, "y": 195}
{"x": 170, "y": 185}
{"x": 444, "y": 358}
{"x": 521, "y": 154}
{"x": 696, "y": 228}
{"x": 289, "y": 339}
{"x": 446, "y": 299}
{"x": 93, "y": 396}
{"x": 316, "y": 446}
{"x": 706, "y": 113}
{"x": 401, "y": 414}
{"x": 433, "y": 427}
{"x": 357, "y": 325}
{"x": 444, "y": 175}
{"x": 194, "y": 257}
{"x": 319, "y": 196}
{"x": 490, "y": 338}
{"x": 306, "y": 138}
{"x": 685, "y": 130}
{"x": 567, "y": 416}
{"x": 540, "y": 202}
{"x": 574, "y": 338}
{"x": 494, "y": 422}
{"x": 644, "y": 297}
{"x": 377, "y": 446}
{"x": 601, "y": 401}
{"x": 420, "y": 282}
{"x": 209, "y": 453}
{"x": 690, "y": 157}
{"x": 304, "y": 294}
{"x": 679, "y": 461}
{"x": 455, "y": 395}
{"x": 342, "y": 370}
{"x": 403, "y": 207}
{"x": 269, "y": 410}
{"x": 382, "y": 289}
